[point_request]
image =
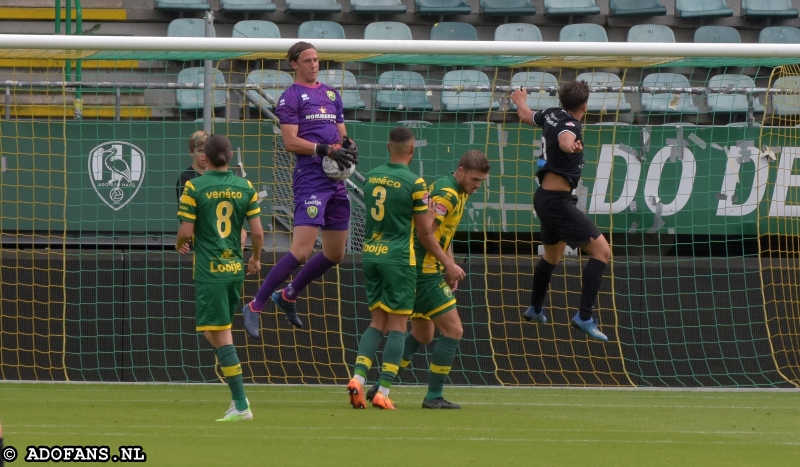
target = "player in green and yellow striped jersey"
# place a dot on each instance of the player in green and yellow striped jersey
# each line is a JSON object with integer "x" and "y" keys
{"x": 212, "y": 210}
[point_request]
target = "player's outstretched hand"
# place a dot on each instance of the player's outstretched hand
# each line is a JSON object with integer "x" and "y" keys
{"x": 253, "y": 266}
{"x": 520, "y": 96}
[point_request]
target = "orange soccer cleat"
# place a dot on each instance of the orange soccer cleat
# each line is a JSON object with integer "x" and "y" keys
{"x": 356, "y": 391}
{"x": 382, "y": 402}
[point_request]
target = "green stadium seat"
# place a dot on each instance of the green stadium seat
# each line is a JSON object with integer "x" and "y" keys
{"x": 335, "y": 79}
{"x": 188, "y": 27}
{"x": 717, "y": 34}
{"x": 583, "y": 32}
{"x": 193, "y": 98}
{"x": 320, "y": 30}
{"x": 536, "y": 100}
{"x": 768, "y": 9}
{"x": 442, "y": 7}
{"x": 312, "y": 6}
{"x": 453, "y": 31}
{"x": 779, "y": 35}
{"x": 570, "y": 8}
{"x": 247, "y": 6}
{"x": 274, "y": 83}
{"x": 453, "y": 101}
{"x": 387, "y": 30}
{"x": 671, "y": 103}
{"x": 517, "y": 32}
{"x": 602, "y": 101}
{"x": 376, "y": 7}
{"x": 651, "y": 33}
{"x": 786, "y": 104}
{"x": 507, "y": 8}
{"x": 636, "y": 8}
{"x": 731, "y": 103}
{"x": 183, "y": 5}
{"x": 702, "y": 9}
{"x": 256, "y": 29}
{"x": 402, "y": 100}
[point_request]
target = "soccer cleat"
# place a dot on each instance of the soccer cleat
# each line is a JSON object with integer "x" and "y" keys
{"x": 531, "y": 315}
{"x": 372, "y": 391}
{"x": 289, "y": 307}
{"x": 252, "y": 321}
{"x": 439, "y": 403}
{"x": 233, "y": 415}
{"x": 382, "y": 402}
{"x": 356, "y": 391}
{"x": 589, "y": 327}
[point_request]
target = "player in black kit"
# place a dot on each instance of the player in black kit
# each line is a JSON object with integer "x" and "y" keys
{"x": 562, "y": 222}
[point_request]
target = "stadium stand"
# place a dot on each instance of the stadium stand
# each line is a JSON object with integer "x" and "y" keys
{"x": 188, "y": 27}
{"x": 651, "y": 33}
{"x": 453, "y": 31}
{"x": 768, "y": 9}
{"x": 636, "y": 8}
{"x": 454, "y": 101}
{"x": 320, "y": 30}
{"x": 387, "y": 30}
{"x": 442, "y": 7}
{"x": 398, "y": 99}
{"x": 192, "y": 99}
{"x": 507, "y": 8}
{"x": 312, "y": 6}
{"x": 247, "y": 6}
{"x": 602, "y": 101}
{"x": 786, "y": 104}
{"x": 256, "y": 29}
{"x": 717, "y": 34}
{"x": 668, "y": 103}
{"x": 779, "y": 35}
{"x": 517, "y": 32}
{"x": 536, "y": 100}
{"x": 702, "y": 9}
{"x": 336, "y": 78}
{"x": 570, "y": 8}
{"x": 377, "y": 7}
{"x": 583, "y": 32}
{"x": 731, "y": 103}
{"x": 273, "y": 82}
{"x": 182, "y": 5}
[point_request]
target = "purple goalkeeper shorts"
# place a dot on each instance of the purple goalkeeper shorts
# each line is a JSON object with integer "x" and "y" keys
{"x": 327, "y": 209}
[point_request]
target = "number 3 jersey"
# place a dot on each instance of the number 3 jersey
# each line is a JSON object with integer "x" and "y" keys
{"x": 393, "y": 195}
{"x": 217, "y": 203}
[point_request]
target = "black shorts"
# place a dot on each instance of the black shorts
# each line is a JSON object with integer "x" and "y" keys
{"x": 561, "y": 219}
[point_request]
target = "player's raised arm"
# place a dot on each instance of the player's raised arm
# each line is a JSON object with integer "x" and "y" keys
{"x": 520, "y": 98}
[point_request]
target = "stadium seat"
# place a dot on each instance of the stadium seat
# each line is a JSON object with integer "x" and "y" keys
{"x": 507, "y": 8}
{"x": 387, "y": 30}
{"x": 717, "y": 34}
{"x": 335, "y": 79}
{"x": 312, "y": 6}
{"x": 779, "y": 35}
{"x": 187, "y": 27}
{"x": 193, "y": 98}
{"x": 702, "y": 9}
{"x": 570, "y": 8}
{"x": 442, "y": 7}
{"x": 270, "y": 78}
{"x": 376, "y": 7}
{"x": 786, "y": 104}
{"x": 675, "y": 103}
{"x": 517, "y": 32}
{"x": 731, "y": 103}
{"x": 583, "y": 32}
{"x": 636, "y": 8}
{"x": 256, "y": 29}
{"x": 650, "y": 33}
{"x": 768, "y": 9}
{"x": 183, "y": 5}
{"x": 602, "y": 101}
{"x": 320, "y": 30}
{"x": 536, "y": 100}
{"x": 247, "y": 6}
{"x": 453, "y": 101}
{"x": 453, "y": 31}
{"x": 396, "y": 99}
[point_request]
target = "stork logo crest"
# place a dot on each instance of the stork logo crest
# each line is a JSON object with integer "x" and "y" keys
{"x": 116, "y": 169}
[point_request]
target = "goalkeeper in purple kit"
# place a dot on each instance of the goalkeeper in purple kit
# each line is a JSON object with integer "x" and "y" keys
{"x": 312, "y": 126}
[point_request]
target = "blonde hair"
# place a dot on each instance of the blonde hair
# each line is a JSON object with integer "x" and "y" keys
{"x": 196, "y": 141}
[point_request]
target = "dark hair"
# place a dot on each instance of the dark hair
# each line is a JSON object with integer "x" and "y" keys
{"x": 218, "y": 150}
{"x": 400, "y": 135}
{"x": 196, "y": 141}
{"x": 294, "y": 51}
{"x": 474, "y": 160}
{"x": 573, "y": 95}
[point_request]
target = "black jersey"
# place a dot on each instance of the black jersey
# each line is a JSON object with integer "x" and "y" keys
{"x": 553, "y": 122}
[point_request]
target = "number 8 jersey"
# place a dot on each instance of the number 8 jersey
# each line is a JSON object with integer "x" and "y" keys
{"x": 217, "y": 203}
{"x": 392, "y": 196}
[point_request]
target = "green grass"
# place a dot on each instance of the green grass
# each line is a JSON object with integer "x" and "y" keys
{"x": 315, "y": 426}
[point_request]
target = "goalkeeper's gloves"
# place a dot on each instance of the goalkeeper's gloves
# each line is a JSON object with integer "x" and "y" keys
{"x": 345, "y": 153}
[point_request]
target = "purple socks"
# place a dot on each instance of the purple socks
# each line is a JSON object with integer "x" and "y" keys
{"x": 314, "y": 268}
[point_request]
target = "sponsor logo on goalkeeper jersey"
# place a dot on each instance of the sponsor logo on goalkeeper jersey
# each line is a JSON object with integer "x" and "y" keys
{"x": 116, "y": 170}
{"x": 322, "y": 115}
{"x": 377, "y": 249}
{"x": 233, "y": 267}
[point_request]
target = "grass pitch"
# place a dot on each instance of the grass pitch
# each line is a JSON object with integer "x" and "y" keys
{"x": 315, "y": 426}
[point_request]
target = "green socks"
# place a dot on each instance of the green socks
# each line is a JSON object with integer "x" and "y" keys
{"x": 232, "y": 371}
{"x": 441, "y": 361}
{"x": 367, "y": 347}
{"x": 392, "y": 354}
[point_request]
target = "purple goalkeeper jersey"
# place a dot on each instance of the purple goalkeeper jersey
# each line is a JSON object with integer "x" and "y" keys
{"x": 316, "y": 111}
